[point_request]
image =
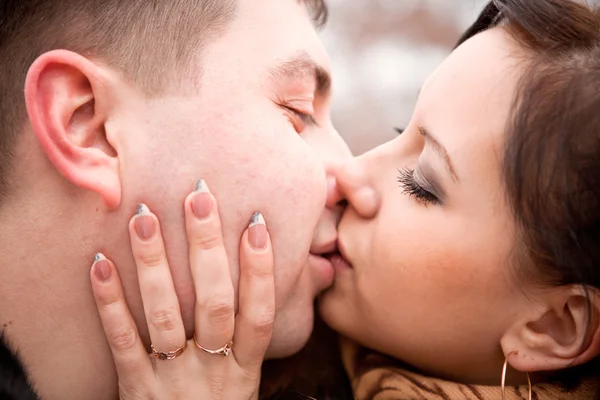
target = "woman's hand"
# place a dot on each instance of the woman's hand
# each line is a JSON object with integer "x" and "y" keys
{"x": 224, "y": 359}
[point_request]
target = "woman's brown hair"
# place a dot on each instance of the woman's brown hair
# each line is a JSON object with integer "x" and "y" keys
{"x": 551, "y": 163}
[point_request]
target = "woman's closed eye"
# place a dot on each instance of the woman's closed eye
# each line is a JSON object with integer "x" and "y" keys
{"x": 412, "y": 188}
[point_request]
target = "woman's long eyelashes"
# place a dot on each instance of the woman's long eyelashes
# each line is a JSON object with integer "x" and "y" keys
{"x": 410, "y": 187}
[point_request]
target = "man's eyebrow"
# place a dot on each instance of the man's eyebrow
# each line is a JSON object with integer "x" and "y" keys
{"x": 302, "y": 66}
{"x": 441, "y": 150}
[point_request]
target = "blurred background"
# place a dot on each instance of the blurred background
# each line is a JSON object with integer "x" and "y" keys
{"x": 382, "y": 51}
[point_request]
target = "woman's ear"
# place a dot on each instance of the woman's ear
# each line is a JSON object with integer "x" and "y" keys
{"x": 562, "y": 331}
{"x": 65, "y": 96}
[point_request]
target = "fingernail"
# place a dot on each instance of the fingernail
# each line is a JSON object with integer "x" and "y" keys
{"x": 142, "y": 209}
{"x": 101, "y": 268}
{"x": 144, "y": 224}
{"x": 201, "y": 187}
{"x": 257, "y": 232}
{"x": 201, "y": 201}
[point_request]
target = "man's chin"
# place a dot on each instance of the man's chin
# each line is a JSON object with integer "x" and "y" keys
{"x": 289, "y": 337}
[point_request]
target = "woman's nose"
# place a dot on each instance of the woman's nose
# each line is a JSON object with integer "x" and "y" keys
{"x": 350, "y": 182}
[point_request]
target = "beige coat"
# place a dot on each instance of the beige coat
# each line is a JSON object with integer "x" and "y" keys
{"x": 375, "y": 377}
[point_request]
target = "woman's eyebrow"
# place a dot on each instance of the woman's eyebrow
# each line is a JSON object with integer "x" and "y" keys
{"x": 440, "y": 150}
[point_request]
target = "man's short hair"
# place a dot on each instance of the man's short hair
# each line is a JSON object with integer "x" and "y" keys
{"x": 152, "y": 42}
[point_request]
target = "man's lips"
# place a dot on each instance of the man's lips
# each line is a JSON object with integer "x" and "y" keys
{"x": 321, "y": 249}
{"x": 319, "y": 261}
{"x": 332, "y": 251}
{"x": 338, "y": 259}
{"x": 323, "y": 271}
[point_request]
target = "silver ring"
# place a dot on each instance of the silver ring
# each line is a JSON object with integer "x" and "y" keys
{"x": 223, "y": 351}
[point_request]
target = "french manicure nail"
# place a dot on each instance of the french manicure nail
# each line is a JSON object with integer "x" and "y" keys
{"x": 142, "y": 209}
{"x": 202, "y": 203}
{"x": 201, "y": 187}
{"x": 101, "y": 268}
{"x": 257, "y": 232}
{"x": 144, "y": 224}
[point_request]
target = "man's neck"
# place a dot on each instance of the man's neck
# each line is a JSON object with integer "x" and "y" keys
{"x": 47, "y": 309}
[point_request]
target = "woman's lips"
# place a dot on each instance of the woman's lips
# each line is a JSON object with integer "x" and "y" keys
{"x": 329, "y": 261}
{"x": 338, "y": 261}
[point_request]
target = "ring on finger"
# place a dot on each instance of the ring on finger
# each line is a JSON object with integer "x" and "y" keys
{"x": 223, "y": 351}
{"x": 170, "y": 355}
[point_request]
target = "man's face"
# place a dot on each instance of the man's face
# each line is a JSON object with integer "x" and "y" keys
{"x": 241, "y": 131}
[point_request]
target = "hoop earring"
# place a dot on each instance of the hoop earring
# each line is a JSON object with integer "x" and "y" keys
{"x": 503, "y": 381}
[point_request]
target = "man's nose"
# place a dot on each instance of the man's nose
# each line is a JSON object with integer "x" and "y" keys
{"x": 351, "y": 183}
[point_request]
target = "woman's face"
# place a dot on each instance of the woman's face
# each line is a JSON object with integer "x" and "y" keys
{"x": 428, "y": 231}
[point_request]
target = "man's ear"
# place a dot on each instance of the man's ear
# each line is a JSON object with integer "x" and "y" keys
{"x": 559, "y": 332}
{"x": 66, "y": 98}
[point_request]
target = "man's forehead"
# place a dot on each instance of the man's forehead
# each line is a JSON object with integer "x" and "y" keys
{"x": 275, "y": 42}
{"x": 276, "y": 26}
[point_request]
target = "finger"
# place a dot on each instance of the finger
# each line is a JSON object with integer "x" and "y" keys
{"x": 161, "y": 305}
{"x": 256, "y": 313}
{"x": 131, "y": 360}
{"x": 210, "y": 270}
